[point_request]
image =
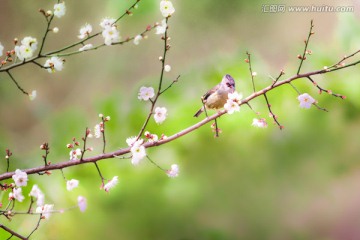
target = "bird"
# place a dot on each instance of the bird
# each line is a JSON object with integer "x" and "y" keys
{"x": 216, "y": 97}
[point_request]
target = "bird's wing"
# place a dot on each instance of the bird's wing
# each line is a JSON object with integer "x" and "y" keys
{"x": 211, "y": 91}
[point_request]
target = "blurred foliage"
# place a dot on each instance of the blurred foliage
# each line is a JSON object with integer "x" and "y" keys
{"x": 298, "y": 183}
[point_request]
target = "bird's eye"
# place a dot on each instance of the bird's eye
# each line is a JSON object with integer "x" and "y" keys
{"x": 228, "y": 84}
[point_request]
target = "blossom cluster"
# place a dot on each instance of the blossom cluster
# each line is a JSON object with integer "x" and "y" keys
{"x": 232, "y": 103}
{"x": 21, "y": 179}
{"x": 26, "y": 49}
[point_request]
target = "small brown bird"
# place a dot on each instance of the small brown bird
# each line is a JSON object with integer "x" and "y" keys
{"x": 216, "y": 97}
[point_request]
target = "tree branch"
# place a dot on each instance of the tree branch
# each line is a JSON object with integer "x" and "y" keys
{"x": 186, "y": 131}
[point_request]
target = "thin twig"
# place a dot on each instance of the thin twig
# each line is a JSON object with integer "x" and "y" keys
{"x": 277, "y": 79}
{"x": 84, "y": 139}
{"x": 248, "y": 60}
{"x": 271, "y": 112}
{"x": 325, "y": 90}
{"x": 303, "y": 57}
{"x": 13, "y": 233}
{"x": 154, "y": 163}
{"x": 159, "y": 90}
{"x": 101, "y": 176}
{"x": 16, "y": 83}
{"x": 36, "y": 227}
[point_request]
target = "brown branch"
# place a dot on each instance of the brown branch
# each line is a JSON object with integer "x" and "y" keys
{"x": 13, "y": 233}
{"x": 248, "y": 60}
{"x": 325, "y": 90}
{"x": 303, "y": 57}
{"x": 159, "y": 92}
{"x": 271, "y": 112}
{"x": 36, "y": 227}
{"x": 16, "y": 83}
{"x": 186, "y": 131}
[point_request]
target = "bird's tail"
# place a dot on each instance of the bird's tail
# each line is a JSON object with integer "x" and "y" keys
{"x": 199, "y": 112}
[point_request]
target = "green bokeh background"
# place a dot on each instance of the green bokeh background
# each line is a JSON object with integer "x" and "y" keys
{"x": 299, "y": 183}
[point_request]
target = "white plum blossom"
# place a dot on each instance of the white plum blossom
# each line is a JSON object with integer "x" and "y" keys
{"x": 111, "y": 35}
{"x": 231, "y": 106}
{"x": 306, "y": 100}
{"x": 97, "y": 131}
{"x": 235, "y": 96}
{"x": 71, "y": 184}
{"x": 167, "y": 68}
{"x": 166, "y": 8}
{"x": 59, "y": 9}
{"x": 112, "y": 183}
{"x": 54, "y": 64}
{"x": 23, "y": 52}
{"x": 260, "y": 123}
{"x": 131, "y": 140}
{"x": 151, "y": 137}
{"x": 82, "y": 203}
{"x": 1, "y": 49}
{"x": 138, "y": 152}
{"x": 74, "y": 154}
{"x": 55, "y": 30}
{"x": 137, "y": 39}
{"x": 161, "y": 28}
{"x": 26, "y": 49}
{"x": 37, "y": 193}
{"x": 86, "y": 47}
{"x": 20, "y": 178}
{"x": 30, "y": 42}
{"x": 174, "y": 171}
{"x": 110, "y": 32}
{"x": 45, "y": 210}
{"x": 85, "y": 31}
{"x": 107, "y": 22}
{"x": 32, "y": 95}
{"x": 145, "y": 93}
{"x": 160, "y": 114}
{"x": 17, "y": 194}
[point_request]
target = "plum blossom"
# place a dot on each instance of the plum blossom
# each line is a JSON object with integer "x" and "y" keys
{"x": 45, "y": 210}
{"x": 174, "y": 171}
{"x": 131, "y": 140}
{"x": 160, "y": 114}
{"x": 151, "y": 137}
{"x": 71, "y": 184}
{"x": 86, "y": 47}
{"x": 75, "y": 154}
{"x": 112, "y": 183}
{"x": 231, "y": 106}
{"x": 59, "y": 9}
{"x": 82, "y": 203}
{"x": 161, "y": 28}
{"x": 138, "y": 152}
{"x": 166, "y": 8}
{"x": 54, "y": 64}
{"x": 137, "y": 39}
{"x": 20, "y": 178}
{"x": 37, "y": 193}
{"x": 167, "y": 68}
{"x": 260, "y": 123}
{"x": 306, "y": 100}
{"x": 235, "y": 96}
{"x": 16, "y": 194}
{"x": 145, "y": 93}
{"x": 85, "y": 31}
{"x": 26, "y": 49}
{"x": 32, "y": 95}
